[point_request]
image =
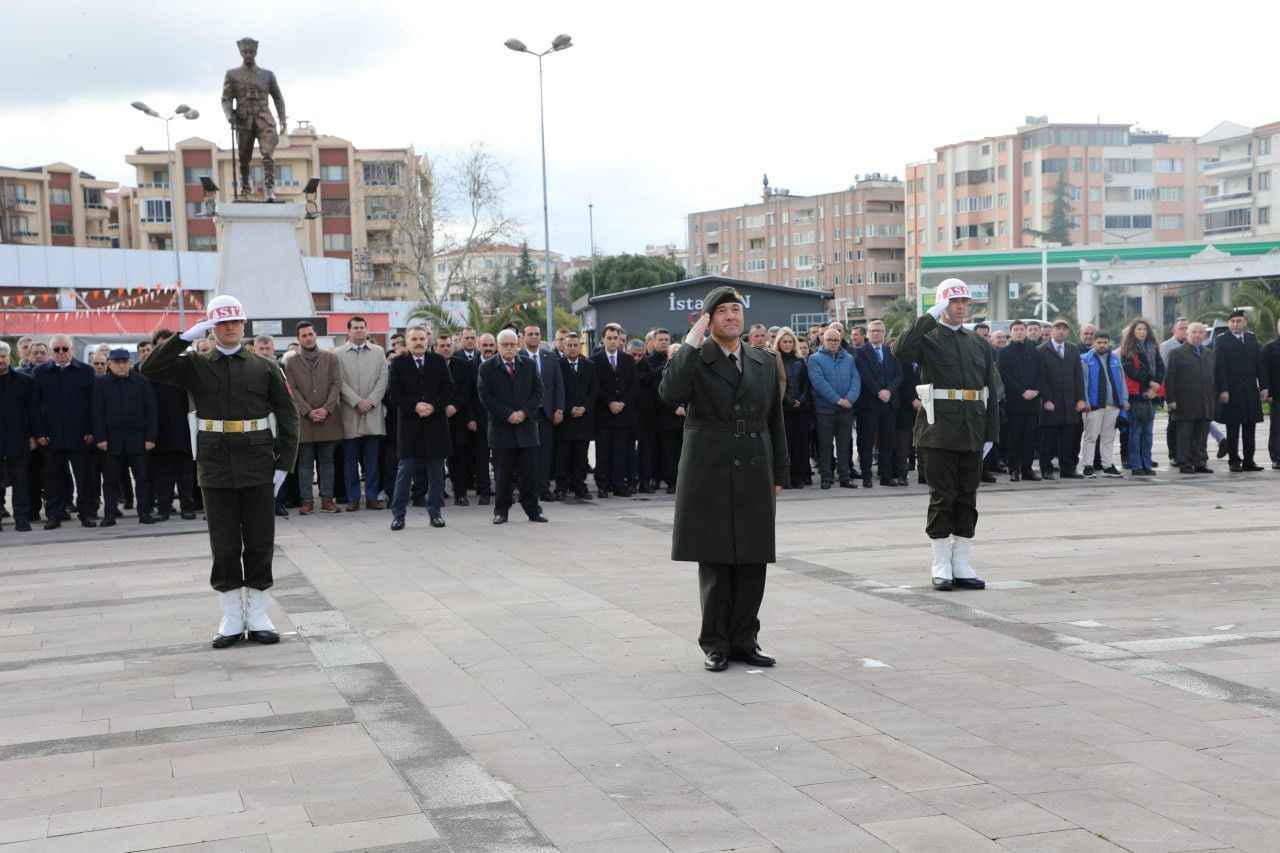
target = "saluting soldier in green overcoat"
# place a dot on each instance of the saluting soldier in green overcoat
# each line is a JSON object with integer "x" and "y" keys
{"x": 955, "y": 427}
{"x": 732, "y": 466}
{"x": 239, "y": 461}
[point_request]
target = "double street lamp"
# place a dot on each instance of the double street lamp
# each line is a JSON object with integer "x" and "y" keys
{"x": 559, "y": 43}
{"x": 190, "y": 115}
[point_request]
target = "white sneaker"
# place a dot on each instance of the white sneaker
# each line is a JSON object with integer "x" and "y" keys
{"x": 941, "y": 569}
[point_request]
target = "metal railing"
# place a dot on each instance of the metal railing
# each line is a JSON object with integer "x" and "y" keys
{"x": 1235, "y": 162}
{"x": 154, "y": 185}
{"x": 1227, "y": 197}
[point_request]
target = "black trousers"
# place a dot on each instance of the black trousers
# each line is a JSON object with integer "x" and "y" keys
{"x": 1020, "y": 450}
{"x": 571, "y": 465}
{"x": 38, "y": 496}
{"x": 124, "y": 484}
{"x": 954, "y": 476}
{"x": 461, "y": 458}
{"x": 546, "y": 453}
{"x": 1192, "y": 436}
{"x": 1060, "y": 441}
{"x": 1171, "y": 440}
{"x": 13, "y": 473}
{"x": 647, "y": 440}
{"x": 516, "y": 462}
{"x": 116, "y": 468}
{"x": 835, "y": 426}
{"x": 480, "y": 462}
{"x": 903, "y": 434}
{"x": 1273, "y": 438}
{"x": 388, "y": 459}
{"x": 1241, "y": 434}
{"x": 56, "y": 482}
{"x": 611, "y": 458}
{"x": 170, "y": 470}
{"x": 670, "y": 441}
{"x": 731, "y": 595}
{"x": 877, "y": 422}
{"x": 797, "y": 424}
{"x": 242, "y": 535}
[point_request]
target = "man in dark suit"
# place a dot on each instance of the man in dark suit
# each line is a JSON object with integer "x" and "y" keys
{"x": 1271, "y": 369}
{"x": 1020, "y": 371}
{"x": 462, "y": 423}
{"x": 615, "y": 415}
{"x": 65, "y": 430}
{"x": 1241, "y": 381}
{"x": 877, "y": 404}
{"x": 578, "y": 427}
{"x": 551, "y": 412}
{"x": 487, "y": 349}
{"x": 669, "y": 428}
{"x": 18, "y": 409}
{"x": 1061, "y": 402}
{"x": 512, "y": 395}
{"x": 419, "y": 383}
{"x": 170, "y": 463}
{"x": 124, "y": 428}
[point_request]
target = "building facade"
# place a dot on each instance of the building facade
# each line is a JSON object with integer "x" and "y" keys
{"x": 56, "y": 205}
{"x": 459, "y": 272}
{"x": 364, "y": 195}
{"x": 1240, "y": 164}
{"x": 849, "y": 242}
{"x": 997, "y": 193}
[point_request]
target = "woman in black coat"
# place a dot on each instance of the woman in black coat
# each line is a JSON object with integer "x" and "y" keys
{"x": 797, "y": 408}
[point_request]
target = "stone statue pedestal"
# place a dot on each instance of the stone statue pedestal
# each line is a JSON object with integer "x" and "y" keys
{"x": 259, "y": 260}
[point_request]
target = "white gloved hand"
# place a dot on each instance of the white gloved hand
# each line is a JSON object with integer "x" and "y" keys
{"x": 198, "y": 331}
{"x": 277, "y": 480}
{"x": 938, "y": 309}
{"x": 986, "y": 448}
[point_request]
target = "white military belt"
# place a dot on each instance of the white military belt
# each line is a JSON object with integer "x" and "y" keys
{"x": 960, "y": 394}
{"x": 210, "y": 425}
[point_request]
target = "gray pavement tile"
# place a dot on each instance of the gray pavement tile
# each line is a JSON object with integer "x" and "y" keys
{"x": 797, "y": 761}
{"x": 645, "y": 843}
{"x": 577, "y": 814}
{"x": 1130, "y": 826}
{"x": 935, "y": 834}
{"x": 477, "y": 718}
{"x": 1066, "y": 841}
{"x": 361, "y": 835}
{"x": 530, "y": 768}
{"x": 869, "y": 800}
{"x": 897, "y": 763}
{"x": 170, "y": 833}
{"x": 371, "y": 804}
{"x": 133, "y": 814}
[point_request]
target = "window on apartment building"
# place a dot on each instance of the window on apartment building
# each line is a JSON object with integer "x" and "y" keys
{"x": 381, "y": 207}
{"x": 713, "y": 248}
{"x": 157, "y": 210}
{"x": 968, "y": 204}
{"x": 835, "y": 280}
{"x": 202, "y": 243}
{"x": 835, "y": 257}
{"x": 1142, "y": 220}
{"x": 773, "y": 263}
{"x": 1264, "y": 181}
{"x": 335, "y": 207}
{"x": 754, "y": 265}
{"x": 1168, "y": 166}
{"x": 1119, "y": 221}
{"x": 1053, "y": 165}
{"x": 942, "y": 208}
{"x": 1207, "y": 190}
{"x": 753, "y": 222}
{"x": 60, "y": 196}
{"x": 786, "y": 263}
{"x": 1001, "y": 146}
{"x": 1026, "y": 196}
{"x": 1169, "y": 193}
{"x": 1119, "y": 193}
{"x": 911, "y": 238}
{"x": 986, "y": 148}
{"x": 802, "y": 216}
{"x": 1077, "y": 164}
{"x": 1143, "y": 193}
{"x": 337, "y": 242}
{"x": 382, "y": 273}
{"x": 773, "y": 241}
{"x": 1026, "y": 223}
{"x": 1002, "y": 200}
{"x": 1264, "y": 216}
{"x": 160, "y": 176}
{"x": 942, "y": 181}
{"x": 1026, "y": 168}
{"x": 1002, "y": 227}
{"x": 284, "y": 175}
{"x": 1095, "y": 223}
{"x": 1095, "y": 194}
{"x": 1228, "y": 219}
{"x": 804, "y": 262}
{"x": 382, "y": 173}
{"x": 1264, "y": 147}
{"x": 1002, "y": 172}
{"x": 786, "y": 217}
{"x": 942, "y": 234}
{"x": 333, "y": 173}
{"x": 93, "y": 198}
{"x": 61, "y": 227}
{"x": 711, "y": 227}
{"x": 1169, "y": 222}
{"x": 1142, "y": 165}
{"x": 768, "y": 218}
{"x": 755, "y": 243}
{"x": 1095, "y": 164}
{"x": 193, "y": 174}
{"x": 1075, "y": 222}
{"x": 1074, "y": 192}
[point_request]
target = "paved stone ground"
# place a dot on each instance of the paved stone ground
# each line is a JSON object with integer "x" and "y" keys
{"x": 536, "y": 687}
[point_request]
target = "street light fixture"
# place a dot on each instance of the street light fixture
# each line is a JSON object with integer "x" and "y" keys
{"x": 190, "y": 115}
{"x": 559, "y": 43}
{"x": 1045, "y": 246}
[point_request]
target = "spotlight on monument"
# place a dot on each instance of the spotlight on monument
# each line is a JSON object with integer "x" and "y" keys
{"x": 313, "y": 204}
{"x": 512, "y": 44}
{"x": 561, "y": 42}
{"x": 209, "y": 205}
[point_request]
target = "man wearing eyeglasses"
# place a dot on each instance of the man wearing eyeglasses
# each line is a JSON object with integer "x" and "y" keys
{"x": 65, "y": 431}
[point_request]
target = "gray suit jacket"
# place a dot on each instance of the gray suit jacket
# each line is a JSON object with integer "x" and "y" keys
{"x": 552, "y": 380}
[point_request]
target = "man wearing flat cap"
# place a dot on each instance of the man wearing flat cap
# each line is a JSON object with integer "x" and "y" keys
{"x": 125, "y": 423}
{"x": 732, "y": 465}
{"x": 955, "y": 428}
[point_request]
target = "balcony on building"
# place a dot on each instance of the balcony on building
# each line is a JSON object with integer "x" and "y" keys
{"x": 1228, "y": 166}
{"x": 1226, "y": 200}
{"x": 1229, "y": 222}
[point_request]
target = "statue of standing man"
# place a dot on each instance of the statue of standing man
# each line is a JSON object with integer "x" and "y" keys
{"x": 244, "y": 102}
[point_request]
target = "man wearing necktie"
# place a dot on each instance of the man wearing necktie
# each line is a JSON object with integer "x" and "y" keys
{"x": 615, "y": 414}
{"x": 419, "y": 383}
{"x": 1189, "y": 385}
{"x": 551, "y": 413}
{"x": 881, "y": 377}
{"x": 512, "y": 395}
{"x": 1061, "y": 402}
{"x": 578, "y": 375}
{"x": 1241, "y": 381}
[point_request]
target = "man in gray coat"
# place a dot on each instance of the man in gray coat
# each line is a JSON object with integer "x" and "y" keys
{"x": 551, "y": 413}
{"x": 732, "y": 466}
{"x": 1189, "y": 388}
{"x": 364, "y": 383}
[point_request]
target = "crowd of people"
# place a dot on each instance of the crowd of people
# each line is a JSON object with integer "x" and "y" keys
{"x": 431, "y": 417}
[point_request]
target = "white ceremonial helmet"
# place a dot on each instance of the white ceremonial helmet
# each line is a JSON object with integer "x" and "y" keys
{"x": 953, "y": 288}
{"x": 225, "y": 308}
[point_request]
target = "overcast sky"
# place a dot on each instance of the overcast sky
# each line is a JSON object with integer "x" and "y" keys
{"x": 659, "y": 109}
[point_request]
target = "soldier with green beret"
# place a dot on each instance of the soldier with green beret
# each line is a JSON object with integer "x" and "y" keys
{"x": 240, "y": 460}
{"x": 955, "y": 427}
{"x": 732, "y": 465}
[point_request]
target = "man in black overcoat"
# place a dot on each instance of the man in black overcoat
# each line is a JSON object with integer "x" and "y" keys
{"x": 169, "y": 462}
{"x": 18, "y": 411}
{"x": 669, "y": 431}
{"x": 1019, "y": 364}
{"x": 615, "y": 412}
{"x": 65, "y": 430}
{"x": 877, "y": 404}
{"x": 1271, "y": 369}
{"x": 463, "y": 423}
{"x": 1061, "y": 402}
{"x": 419, "y": 383}
{"x": 124, "y": 429}
{"x": 1240, "y": 378}
{"x": 512, "y": 395}
{"x": 575, "y": 432}
{"x": 551, "y": 412}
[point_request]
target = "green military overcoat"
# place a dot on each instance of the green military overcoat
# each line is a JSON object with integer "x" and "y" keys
{"x": 735, "y": 452}
{"x": 242, "y": 386}
{"x": 959, "y": 359}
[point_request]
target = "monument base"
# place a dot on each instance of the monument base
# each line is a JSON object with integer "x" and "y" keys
{"x": 259, "y": 260}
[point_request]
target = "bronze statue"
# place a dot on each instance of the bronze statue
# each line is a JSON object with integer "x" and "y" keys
{"x": 248, "y": 86}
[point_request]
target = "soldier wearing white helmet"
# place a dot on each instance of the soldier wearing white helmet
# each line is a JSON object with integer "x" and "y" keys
{"x": 955, "y": 427}
{"x": 240, "y": 460}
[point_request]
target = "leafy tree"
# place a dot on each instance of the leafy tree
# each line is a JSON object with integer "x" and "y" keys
{"x": 899, "y": 316}
{"x": 625, "y": 272}
{"x": 526, "y": 277}
{"x": 1060, "y": 216}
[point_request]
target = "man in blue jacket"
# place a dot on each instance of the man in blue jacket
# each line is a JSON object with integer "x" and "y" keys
{"x": 65, "y": 431}
{"x": 836, "y": 386}
{"x": 1106, "y": 394}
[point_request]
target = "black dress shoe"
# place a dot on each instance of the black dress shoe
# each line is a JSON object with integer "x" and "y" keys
{"x": 988, "y": 477}
{"x": 264, "y": 637}
{"x": 716, "y": 662}
{"x": 1234, "y": 467}
{"x": 1071, "y": 475}
{"x": 437, "y": 521}
{"x": 146, "y": 519}
{"x": 22, "y": 526}
{"x": 539, "y": 519}
{"x": 1186, "y": 469}
{"x": 461, "y": 501}
{"x": 397, "y": 524}
{"x": 755, "y": 657}
{"x": 849, "y": 484}
{"x": 281, "y": 512}
{"x": 188, "y": 515}
{"x": 942, "y": 585}
{"x": 109, "y": 521}
{"x": 90, "y": 522}
{"x": 221, "y": 642}
{"x": 888, "y": 483}
{"x": 499, "y": 518}
{"x": 1015, "y": 476}
{"x": 825, "y": 485}
{"x": 52, "y": 524}
{"x": 969, "y": 583}
{"x": 1202, "y": 469}
{"x": 483, "y": 501}
{"x": 1223, "y": 450}
{"x": 1250, "y": 467}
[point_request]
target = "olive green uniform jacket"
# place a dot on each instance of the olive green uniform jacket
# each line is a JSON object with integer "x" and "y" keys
{"x": 953, "y": 358}
{"x": 232, "y": 387}
{"x": 735, "y": 451}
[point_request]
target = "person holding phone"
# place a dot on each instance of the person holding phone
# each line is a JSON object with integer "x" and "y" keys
{"x": 733, "y": 463}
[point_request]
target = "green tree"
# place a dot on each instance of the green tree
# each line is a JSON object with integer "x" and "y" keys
{"x": 1060, "y": 216}
{"x": 625, "y": 272}
{"x": 526, "y": 277}
{"x": 899, "y": 316}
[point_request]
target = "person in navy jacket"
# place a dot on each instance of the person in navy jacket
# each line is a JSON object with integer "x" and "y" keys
{"x": 125, "y": 427}
{"x": 65, "y": 430}
{"x": 881, "y": 377}
{"x": 17, "y": 416}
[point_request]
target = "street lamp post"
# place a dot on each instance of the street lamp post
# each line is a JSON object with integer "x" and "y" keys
{"x": 591, "y": 225}
{"x": 559, "y": 43}
{"x": 187, "y": 113}
{"x": 1045, "y": 246}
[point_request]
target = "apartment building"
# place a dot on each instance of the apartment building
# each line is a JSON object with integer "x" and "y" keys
{"x": 55, "y": 205}
{"x": 362, "y": 195}
{"x": 1240, "y": 163}
{"x": 1123, "y": 184}
{"x": 849, "y": 241}
{"x": 668, "y": 250}
{"x": 459, "y": 272}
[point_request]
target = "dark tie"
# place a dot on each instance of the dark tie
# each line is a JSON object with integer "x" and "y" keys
{"x": 733, "y": 359}
{"x": 511, "y": 369}
{"x": 613, "y": 362}
{"x": 879, "y": 355}
{"x": 418, "y": 362}
{"x": 575, "y": 367}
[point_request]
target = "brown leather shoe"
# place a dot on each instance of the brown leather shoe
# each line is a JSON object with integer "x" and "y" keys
{"x": 328, "y": 505}
{"x": 375, "y": 505}
{"x": 307, "y": 508}
{"x": 354, "y": 506}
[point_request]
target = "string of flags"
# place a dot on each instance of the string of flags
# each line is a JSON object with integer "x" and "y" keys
{"x": 128, "y": 298}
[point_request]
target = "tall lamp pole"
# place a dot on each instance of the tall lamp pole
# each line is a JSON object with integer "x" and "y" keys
{"x": 1045, "y": 246}
{"x": 591, "y": 225}
{"x": 187, "y": 113}
{"x": 559, "y": 43}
